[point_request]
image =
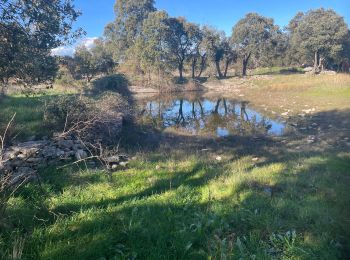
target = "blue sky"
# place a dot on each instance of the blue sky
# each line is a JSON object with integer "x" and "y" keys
{"x": 222, "y": 14}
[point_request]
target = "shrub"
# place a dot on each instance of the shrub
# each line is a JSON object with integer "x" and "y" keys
{"x": 114, "y": 83}
{"x": 92, "y": 120}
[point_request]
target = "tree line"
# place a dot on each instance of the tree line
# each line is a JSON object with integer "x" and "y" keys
{"x": 152, "y": 41}
{"x": 149, "y": 42}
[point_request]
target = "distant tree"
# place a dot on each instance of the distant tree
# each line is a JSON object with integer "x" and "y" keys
{"x": 319, "y": 35}
{"x": 250, "y": 35}
{"x": 150, "y": 48}
{"x": 229, "y": 54}
{"x": 293, "y": 53}
{"x": 123, "y": 32}
{"x": 202, "y": 54}
{"x": 102, "y": 58}
{"x": 183, "y": 38}
{"x": 213, "y": 42}
{"x": 28, "y": 32}
{"x": 85, "y": 64}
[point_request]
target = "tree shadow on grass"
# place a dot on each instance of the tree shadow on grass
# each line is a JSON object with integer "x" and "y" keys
{"x": 184, "y": 226}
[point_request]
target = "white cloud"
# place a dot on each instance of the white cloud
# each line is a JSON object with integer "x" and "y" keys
{"x": 88, "y": 42}
{"x": 69, "y": 50}
{"x": 63, "y": 51}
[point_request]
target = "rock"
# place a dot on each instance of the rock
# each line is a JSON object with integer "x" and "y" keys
{"x": 76, "y": 147}
{"x": 112, "y": 159}
{"x": 80, "y": 155}
{"x": 60, "y": 153}
{"x": 68, "y": 144}
{"x": 311, "y": 139}
{"x": 328, "y": 72}
{"x": 23, "y": 159}
{"x": 35, "y": 160}
{"x": 308, "y": 69}
{"x": 123, "y": 164}
{"x": 218, "y": 158}
{"x": 21, "y": 156}
{"x": 255, "y": 159}
{"x": 9, "y": 155}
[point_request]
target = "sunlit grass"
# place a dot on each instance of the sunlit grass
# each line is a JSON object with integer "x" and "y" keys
{"x": 195, "y": 207}
{"x": 335, "y": 83}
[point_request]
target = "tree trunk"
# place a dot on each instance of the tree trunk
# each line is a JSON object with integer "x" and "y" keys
{"x": 321, "y": 63}
{"x": 226, "y": 68}
{"x": 181, "y": 66}
{"x": 181, "y": 115}
{"x": 315, "y": 70}
{"x": 216, "y": 110}
{"x": 217, "y": 64}
{"x": 203, "y": 60}
{"x": 225, "y": 106}
{"x": 194, "y": 62}
{"x": 201, "y": 107}
{"x": 245, "y": 64}
{"x": 193, "y": 110}
{"x": 244, "y": 68}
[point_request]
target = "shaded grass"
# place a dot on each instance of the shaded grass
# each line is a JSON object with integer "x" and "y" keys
{"x": 196, "y": 207}
{"x": 276, "y": 71}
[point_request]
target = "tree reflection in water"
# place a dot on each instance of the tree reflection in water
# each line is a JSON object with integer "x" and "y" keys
{"x": 220, "y": 117}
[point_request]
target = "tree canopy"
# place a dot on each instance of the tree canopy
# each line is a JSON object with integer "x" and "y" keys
{"x": 121, "y": 34}
{"x": 318, "y": 34}
{"x": 29, "y": 31}
{"x": 252, "y": 34}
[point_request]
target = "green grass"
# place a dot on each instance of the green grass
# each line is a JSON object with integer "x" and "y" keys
{"x": 29, "y": 115}
{"x": 29, "y": 119}
{"x": 167, "y": 208}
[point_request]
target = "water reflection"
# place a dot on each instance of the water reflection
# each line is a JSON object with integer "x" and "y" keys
{"x": 220, "y": 117}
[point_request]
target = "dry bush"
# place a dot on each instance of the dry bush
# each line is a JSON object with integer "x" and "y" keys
{"x": 91, "y": 120}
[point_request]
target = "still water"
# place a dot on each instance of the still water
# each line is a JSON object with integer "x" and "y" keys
{"x": 219, "y": 117}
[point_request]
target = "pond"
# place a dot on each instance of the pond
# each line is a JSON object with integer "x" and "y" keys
{"x": 220, "y": 117}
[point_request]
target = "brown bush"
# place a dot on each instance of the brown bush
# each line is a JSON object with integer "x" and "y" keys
{"x": 94, "y": 121}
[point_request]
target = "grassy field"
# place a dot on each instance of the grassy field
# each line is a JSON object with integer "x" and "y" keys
{"x": 162, "y": 208}
{"x": 233, "y": 198}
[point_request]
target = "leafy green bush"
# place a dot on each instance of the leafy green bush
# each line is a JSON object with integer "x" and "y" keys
{"x": 116, "y": 83}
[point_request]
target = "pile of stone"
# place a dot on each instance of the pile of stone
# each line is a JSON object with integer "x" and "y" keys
{"x": 24, "y": 159}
